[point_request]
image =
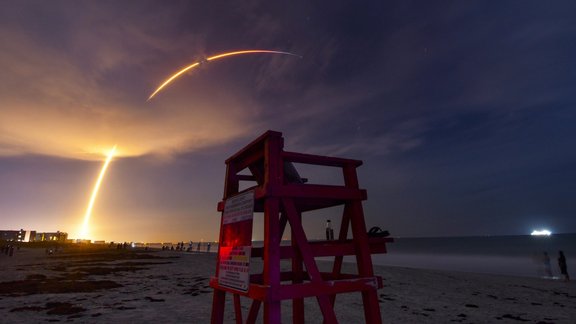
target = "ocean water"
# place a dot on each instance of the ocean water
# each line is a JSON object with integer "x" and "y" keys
{"x": 519, "y": 255}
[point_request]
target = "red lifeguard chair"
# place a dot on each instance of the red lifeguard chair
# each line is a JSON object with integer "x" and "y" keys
{"x": 283, "y": 197}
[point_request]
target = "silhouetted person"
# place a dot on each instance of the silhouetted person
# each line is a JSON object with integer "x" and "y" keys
{"x": 208, "y": 247}
{"x": 547, "y": 267}
{"x": 329, "y": 231}
{"x": 563, "y": 266}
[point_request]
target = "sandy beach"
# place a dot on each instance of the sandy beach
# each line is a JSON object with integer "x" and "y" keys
{"x": 112, "y": 286}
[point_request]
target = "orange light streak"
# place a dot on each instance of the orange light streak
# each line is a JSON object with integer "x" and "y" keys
{"x": 215, "y": 57}
{"x": 84, "y": 231}
{"x": 172, "y": 78}
{"x": 212, "y": 58}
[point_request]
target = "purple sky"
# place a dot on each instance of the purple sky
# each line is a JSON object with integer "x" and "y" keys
{"x": 463, "y": 112}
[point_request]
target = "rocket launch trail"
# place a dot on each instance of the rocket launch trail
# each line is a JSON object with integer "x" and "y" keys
{"x": 84, "y": 230}
{"x": 213, "y": 58}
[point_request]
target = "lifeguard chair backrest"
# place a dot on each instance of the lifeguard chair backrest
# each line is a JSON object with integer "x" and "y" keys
{"x": 291, "y": 175}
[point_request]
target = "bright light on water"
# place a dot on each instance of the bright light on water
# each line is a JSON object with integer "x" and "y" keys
{"x": 541, "y": 232}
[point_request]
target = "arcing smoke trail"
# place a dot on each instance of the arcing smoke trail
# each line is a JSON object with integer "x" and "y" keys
{"x": 213, "y": 58}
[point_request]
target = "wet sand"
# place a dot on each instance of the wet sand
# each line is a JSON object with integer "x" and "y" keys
{"x": 110, "y": 286}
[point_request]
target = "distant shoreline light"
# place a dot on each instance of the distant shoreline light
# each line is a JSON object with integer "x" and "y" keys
{"x": 541, "y": 233}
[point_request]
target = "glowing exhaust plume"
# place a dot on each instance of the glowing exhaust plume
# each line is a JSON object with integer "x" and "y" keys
{"x": 84, "y": 231}
{"x": 212, "y": 58}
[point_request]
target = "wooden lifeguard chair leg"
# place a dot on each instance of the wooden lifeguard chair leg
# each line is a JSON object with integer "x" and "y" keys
{"x": 297, "y": 278}
{"x": 253, "y": 312}
{"x": 271, "y": 271}
{"x": 238, "y": 309}
{"x": 364, "y": 262}
{"x": 363, "y": 255}
{"x": 218, "y": 302}
{"x": 308, "y": 259}
{"x": 342, "y": 236}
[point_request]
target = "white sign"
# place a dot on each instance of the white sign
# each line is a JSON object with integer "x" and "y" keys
{"x": 236, "y": 242}
{"x": 239, "y": 208}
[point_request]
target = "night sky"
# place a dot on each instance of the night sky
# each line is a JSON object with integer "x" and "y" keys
{"x": 462, "y": 111}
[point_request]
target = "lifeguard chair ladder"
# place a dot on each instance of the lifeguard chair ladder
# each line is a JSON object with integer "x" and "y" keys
{"x": 283, "y": 199}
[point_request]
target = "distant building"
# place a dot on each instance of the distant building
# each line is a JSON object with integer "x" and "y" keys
{"x": 20, "y": 236}
{"x": 51, "y": 236}
{"x": 14, "y": 236}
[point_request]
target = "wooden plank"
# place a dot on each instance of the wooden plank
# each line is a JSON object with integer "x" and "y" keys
{"x": 330, "y": 248}
{"x": 254, "y": 146}
{"x": 319, "y": 160}
{"x": 311, "y": 289}
{"x": 245, "y": 177}
{"x": 347, "y": 284}
{"x": 290, "y": 275}
{"x": 310, "y": 191}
